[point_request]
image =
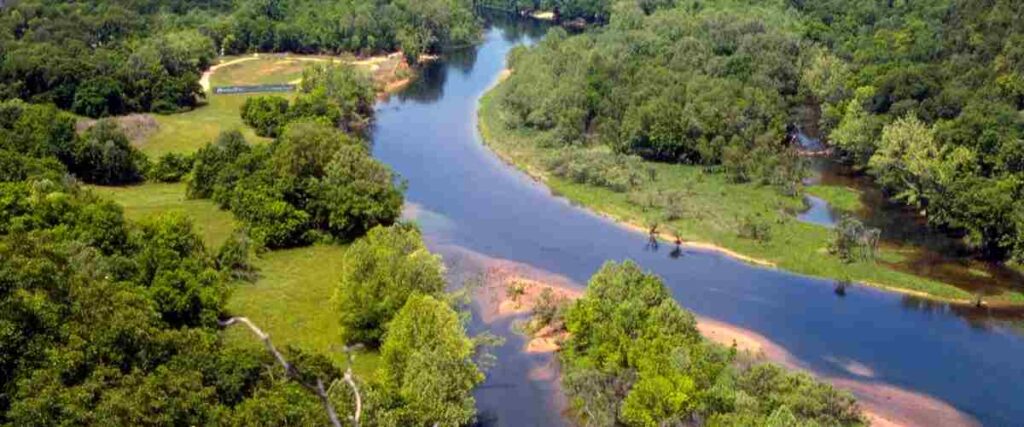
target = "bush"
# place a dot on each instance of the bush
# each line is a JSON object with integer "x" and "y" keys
{"x": 105, "y": 156}
{"x": 210, "y": 164}
{"x": 613, "y": 171}
{"x": 755, "y": 227}
{"x": 171, "y": 167}
{"x": 381, "y": 271}
{"x": 853, "y": 241}
{"x": 233, "y": 257}
{"x": 265, "y": 114}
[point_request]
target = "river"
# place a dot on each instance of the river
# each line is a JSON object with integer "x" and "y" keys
{"x": 474, "y": 208}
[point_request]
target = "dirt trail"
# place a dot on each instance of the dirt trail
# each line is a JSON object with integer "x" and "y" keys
{"x": 204, "y": 80}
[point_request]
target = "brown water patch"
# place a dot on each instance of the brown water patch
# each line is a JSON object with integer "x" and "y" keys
{"x": 925, "y": 251}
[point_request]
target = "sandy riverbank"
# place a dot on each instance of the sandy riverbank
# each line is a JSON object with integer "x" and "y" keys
{"x": 883, "y": 404}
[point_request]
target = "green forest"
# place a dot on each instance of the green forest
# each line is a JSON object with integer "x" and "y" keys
{"x": 924, "y": 96}
{"x": 102, "y": 58}
{"x": 108, "y": 317}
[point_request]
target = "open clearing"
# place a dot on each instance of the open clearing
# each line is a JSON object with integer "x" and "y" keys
{"x": 187, "y": 132}
{"x": 149, "y": 200}
{"x": 291, "y": 298}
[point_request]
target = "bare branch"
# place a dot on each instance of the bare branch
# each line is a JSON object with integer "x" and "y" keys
{"x": 290, "y": 371}
{"x": 349, "y": 378}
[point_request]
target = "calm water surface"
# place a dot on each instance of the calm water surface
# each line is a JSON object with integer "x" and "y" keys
{"x": 474, "y": 203}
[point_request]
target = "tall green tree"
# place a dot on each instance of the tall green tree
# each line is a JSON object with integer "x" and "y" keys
{"x": 381, "y": 272}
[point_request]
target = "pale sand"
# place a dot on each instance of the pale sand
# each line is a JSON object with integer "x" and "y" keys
{"x": 544, "y": 15}
{"x": 884, "y": 405}
{"x": 387, "y": 81}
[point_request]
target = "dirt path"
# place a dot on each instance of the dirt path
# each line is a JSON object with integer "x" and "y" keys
{"x": 204, "y": 80}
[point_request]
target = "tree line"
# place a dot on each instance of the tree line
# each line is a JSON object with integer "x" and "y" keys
{"x": 670, "y": 84}
{"x": 100, "y": 58}
{"x": 926, "y": 96}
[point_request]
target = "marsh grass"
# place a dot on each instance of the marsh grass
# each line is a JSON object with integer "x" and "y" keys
{"x": 712, "y": 212}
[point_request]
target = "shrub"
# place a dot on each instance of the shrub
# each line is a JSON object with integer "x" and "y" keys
{"x": 853, "y": 241}
{"x": 613, "y": 171}
{"x": 105, "y": 156}
{"x": 210, "y": 163}
{"x": 755, "y": 227}
{"x": 265, "y": 114}
{"x": 381, "y": 271}
{"x": 171, "y": 167}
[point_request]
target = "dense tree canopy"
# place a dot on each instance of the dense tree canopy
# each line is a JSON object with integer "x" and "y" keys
{"x": 102, "y": 58}
{"x": 700, "y": 88}
{"x": 926, "y": 96}
{"x": 381, "y": 271}
{"x": 41, "y": 135}
{"x": 428, "y": 372}
{"x": 635, "y": 357}
{"x": 314, "y": 181}
{"x": 105, "y": 321}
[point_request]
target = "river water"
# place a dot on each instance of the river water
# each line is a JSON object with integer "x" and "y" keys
{"x": 473, "y": 207}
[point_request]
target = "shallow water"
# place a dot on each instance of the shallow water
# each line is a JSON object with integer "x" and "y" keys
{"x": 818, "y": 212}
{"x": 468, "y": 201}
{"x": 927, "y": 252}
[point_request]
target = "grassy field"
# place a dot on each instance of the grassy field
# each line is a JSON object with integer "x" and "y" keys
{"x": 189, "y": 131}
{"x": 270, "y": 69}
{"x": 152, "y": 199}
{"x": 714, "y": 209}
{"x": 842, "y": 198}
{"x": 290, "y": 300}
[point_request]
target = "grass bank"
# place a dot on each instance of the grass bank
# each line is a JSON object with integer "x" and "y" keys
{"x": 291, "y": 298}
{"x": 713, "y": 211}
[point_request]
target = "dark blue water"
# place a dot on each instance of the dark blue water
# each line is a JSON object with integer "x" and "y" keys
{"x": 428, "y": 135}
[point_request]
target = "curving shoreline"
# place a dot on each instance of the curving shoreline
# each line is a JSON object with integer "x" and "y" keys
{"x": 884, "y": 405}
{"x": 539, "y": 176}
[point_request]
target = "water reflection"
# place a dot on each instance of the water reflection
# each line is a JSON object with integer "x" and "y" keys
{"x": 491, "y": 209}
{"x": 926, "y": 252}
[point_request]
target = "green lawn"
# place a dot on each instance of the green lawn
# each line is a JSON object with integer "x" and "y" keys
{"x": 842, "y": 198}
{"x": 189, "y": 131}
{"x": 713, "y": 209}
{"x": 151, "y": 199}
{"x": 291, "y": 299}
